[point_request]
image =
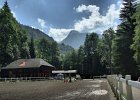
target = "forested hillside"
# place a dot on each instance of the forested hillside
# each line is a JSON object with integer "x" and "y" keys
{"x": 23, "y": 42}
{"x": 35, "y": 33}
{"x": 13, "y": 39}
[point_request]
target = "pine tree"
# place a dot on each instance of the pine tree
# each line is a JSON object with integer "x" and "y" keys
{"x": 80, "y": 60}
{"x": 136, "y": 45}
{"x": 122, "y": 53}
{"x": 92, "y": 63}
{"x": 32, "y": 48}
{"x": 13, "y": 40}
{"x": 105, "y": 48}
{"x": 54, "y": 53}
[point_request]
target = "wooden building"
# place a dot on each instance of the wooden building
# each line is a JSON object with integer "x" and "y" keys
{"x": 27, "y": 68}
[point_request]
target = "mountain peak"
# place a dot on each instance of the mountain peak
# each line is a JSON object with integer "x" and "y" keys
{"x": 74, "y": 39}
{"x": 73, "y": 31}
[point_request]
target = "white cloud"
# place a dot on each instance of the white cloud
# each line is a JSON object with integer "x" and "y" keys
{"x": 41, "y": 22}
{"x": 33, "y": 27}
{"x": 59, "y": 34}
{"x": 94, "y": 23}
{"x": 97, "y": 22}
{"x": 14, "y": 14}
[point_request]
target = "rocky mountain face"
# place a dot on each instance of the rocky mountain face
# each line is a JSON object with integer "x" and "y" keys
{"x": 75, "y": 39}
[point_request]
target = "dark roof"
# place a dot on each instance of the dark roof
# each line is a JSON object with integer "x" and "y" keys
{"x": 27, "y": 63}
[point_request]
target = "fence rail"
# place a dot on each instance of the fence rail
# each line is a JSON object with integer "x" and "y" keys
{"x": 23, "y": 78}
{"x": 120, "y": 84}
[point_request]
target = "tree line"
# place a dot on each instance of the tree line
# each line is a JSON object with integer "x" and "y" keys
{"x": 115, "y": 52}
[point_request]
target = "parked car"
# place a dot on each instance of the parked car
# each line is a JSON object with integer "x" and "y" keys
{"x": 60, "y": 76}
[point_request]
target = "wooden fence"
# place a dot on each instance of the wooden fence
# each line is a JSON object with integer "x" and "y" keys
{"x": 124, "y": 88}
{"x": 23, "y": 79}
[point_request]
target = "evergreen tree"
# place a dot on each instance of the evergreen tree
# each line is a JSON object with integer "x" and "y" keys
{"x": 81, "y": 59}
{"x": 48, "y": 50}
{"x": 32, "y": 48}
{"x": 54, "y": 53}
{"x": 122, "y": 54}
{"x": 136, "y": 44}
{"x": 70, "y": 61}
{"x": 92, "y": 61}
{"x": 13, "y": 40}
{"x": 43, "y": 49}
{"x": 105, "y": 48}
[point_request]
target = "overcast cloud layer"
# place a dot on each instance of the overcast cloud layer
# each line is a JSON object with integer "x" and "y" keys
{"x": 94, "y": 23}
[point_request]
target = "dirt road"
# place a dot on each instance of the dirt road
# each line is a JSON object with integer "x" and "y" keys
{"x": 56, "y": 90}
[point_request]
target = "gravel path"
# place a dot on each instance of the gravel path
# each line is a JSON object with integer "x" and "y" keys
{"x": 56, "y": 90}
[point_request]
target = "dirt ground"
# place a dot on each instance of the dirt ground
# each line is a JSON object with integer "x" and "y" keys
{"x": 56, "y": 90}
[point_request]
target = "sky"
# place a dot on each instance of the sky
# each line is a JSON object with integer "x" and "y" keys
{"x": 58, "y": 17}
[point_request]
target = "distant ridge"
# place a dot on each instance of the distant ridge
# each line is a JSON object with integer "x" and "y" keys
{"x": 36, "y": 33}
{"x": 75, "y": 39}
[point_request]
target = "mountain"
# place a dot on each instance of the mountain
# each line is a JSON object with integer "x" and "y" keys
{"x": 64, "y": 48}
{"x": 36, "y": 33}
{"x": 74, "y": 39}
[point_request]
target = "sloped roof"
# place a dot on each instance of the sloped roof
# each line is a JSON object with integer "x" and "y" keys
{"x": 64, "y": 71}
{"x": 27, "y": 63}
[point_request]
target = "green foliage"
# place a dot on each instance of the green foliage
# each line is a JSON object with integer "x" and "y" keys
{"x": 70, "y": 60}
{"x": 86, "y": 60}
{"x": 105, "y": 48}
{"x": 64, "y": 48}
{"x": 48, "y": 51}
{"x": 81, "y": 59}
{"x": 32, "y": 48}
{"x": 35, "y": 33}
{"x": 122, "y": 54}
{"x": 136, "y": 45}
{"x": 92, "y": 61}
{"x": 13, "y": 40}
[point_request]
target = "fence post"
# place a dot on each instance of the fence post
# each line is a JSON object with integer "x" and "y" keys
{"x": 120, "y": 86}
{"x": 117, "y": 86}
{"x": 128, "y": 88}
{"x": 114, "y": 77}
{"x": 5, "y": 79}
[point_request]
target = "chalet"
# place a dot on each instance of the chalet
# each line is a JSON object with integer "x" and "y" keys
{"x": 27, "y": 68}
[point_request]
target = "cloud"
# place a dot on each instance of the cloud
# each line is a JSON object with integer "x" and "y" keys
{"x": 94, "y": 23}
{"x": 97, "y": 22}
{"x": 14, "y": 14}
{"x": 41, "y": 22}
{"x": 59, "y": 34}
{"x": 33, "y": 27}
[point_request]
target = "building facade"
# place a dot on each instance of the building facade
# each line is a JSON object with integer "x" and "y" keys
{"x": 27, "y": 68}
